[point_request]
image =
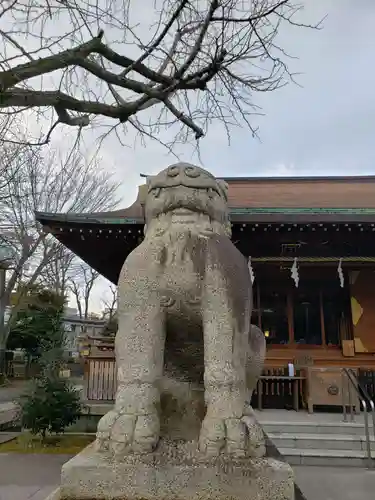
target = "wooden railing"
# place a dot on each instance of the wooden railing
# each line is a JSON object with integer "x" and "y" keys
{"x": 367, "y": 380}
{"x": 274, "y": 390}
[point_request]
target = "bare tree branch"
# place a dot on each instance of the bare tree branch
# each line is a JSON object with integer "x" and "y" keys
{"x": 44, "y": 180}
{"x": 75, "y": 290}
{"x": 80, "y": 286}
{"x": 58, "y": 271}
{"x": 186, "y": 63}
{"x": 110, "y": 305}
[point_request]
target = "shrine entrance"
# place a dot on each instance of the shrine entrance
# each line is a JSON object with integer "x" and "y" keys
{"x": 315, "y": 314}
{"x": 319, "y": 232}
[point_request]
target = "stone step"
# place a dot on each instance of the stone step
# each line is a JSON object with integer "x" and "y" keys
{"x": 322, "y": 458}
{"x": 321, "y": 441}
{"x": 339, "y": 427}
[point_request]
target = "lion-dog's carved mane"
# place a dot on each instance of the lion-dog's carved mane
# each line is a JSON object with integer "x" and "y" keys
{"x": 181, "y": 211}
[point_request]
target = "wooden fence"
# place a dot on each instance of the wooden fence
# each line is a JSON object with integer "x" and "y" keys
{"x": 100, "y": 379}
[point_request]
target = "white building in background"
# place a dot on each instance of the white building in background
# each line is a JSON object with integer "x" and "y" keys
{"x": 76, "y": 327}
{"x": 8, "y": 310}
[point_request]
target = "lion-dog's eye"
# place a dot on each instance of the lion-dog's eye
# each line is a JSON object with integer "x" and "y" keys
{"x": 173, "y": 171}
{"x": 192, "y": 172}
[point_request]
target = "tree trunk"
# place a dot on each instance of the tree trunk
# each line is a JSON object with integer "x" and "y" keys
{"x": 4, "y": 333}
{"x": 3, "y": 337}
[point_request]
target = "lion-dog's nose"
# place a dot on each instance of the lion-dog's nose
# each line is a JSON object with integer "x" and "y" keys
{"x": 183, "y": 169}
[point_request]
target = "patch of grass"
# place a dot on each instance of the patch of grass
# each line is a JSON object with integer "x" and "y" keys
{"x": 64, "y": 444}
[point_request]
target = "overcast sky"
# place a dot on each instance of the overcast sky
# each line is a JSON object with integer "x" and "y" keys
{"x": 326, "y": 126}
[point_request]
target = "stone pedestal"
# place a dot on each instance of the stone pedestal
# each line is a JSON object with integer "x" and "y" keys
{"x": 174, "y": 472}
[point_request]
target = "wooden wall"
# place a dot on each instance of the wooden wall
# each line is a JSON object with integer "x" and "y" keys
{"x": 362, "y": 290}
{"x": 277, "y": 357}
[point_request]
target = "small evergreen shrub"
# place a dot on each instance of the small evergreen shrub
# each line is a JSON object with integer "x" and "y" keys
{"x": 52, "y": 406}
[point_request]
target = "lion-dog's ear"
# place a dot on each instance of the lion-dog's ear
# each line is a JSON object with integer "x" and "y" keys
{"x": 223, "y": 187}
{"x": 142, "y": 193}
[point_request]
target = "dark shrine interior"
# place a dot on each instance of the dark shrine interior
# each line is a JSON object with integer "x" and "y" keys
{"x": 105, "y": 246}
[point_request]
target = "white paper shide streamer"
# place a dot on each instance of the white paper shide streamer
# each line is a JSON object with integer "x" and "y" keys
{"x": 251, "y": 270}
{"x": 294, "y": 272}
{"x": 340, "y": 273}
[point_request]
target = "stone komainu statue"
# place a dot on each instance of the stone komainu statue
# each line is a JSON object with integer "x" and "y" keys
{"x": 185, "y": 285}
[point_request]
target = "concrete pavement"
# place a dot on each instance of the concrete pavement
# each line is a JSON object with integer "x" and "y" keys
{"x": 331, "y": 483}
{"x": 12, "y": 392}
{"x": 29, "y": 477}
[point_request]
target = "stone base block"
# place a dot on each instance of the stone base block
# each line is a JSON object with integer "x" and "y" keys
{"x": 174, "y": 472}
{"x": 55, "y": 495}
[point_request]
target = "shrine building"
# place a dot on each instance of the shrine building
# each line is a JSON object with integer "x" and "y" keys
{"x": 310, "y": 242}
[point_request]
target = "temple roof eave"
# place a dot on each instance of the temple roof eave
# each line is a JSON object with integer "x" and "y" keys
{"x": 237, "y": 215}
{"x": 116, "y": 217}
{"x": 130, "y": 215}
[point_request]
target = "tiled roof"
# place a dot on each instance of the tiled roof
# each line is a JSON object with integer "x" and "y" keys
{"x": 345, "y": 199}
{"x": 302, "y": 210}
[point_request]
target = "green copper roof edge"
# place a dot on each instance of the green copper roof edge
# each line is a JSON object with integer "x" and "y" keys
{"x": 117, "y": 220}
{"x": 89, "y": 219}
{"x": 45, "y": 218}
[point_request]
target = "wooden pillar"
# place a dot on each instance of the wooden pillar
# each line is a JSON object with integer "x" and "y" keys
{"x": 259, "y": 307}
{"x": 289, "y": 308}
{"x": 322, "y": 324}
{"x": 257, "y": 291}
